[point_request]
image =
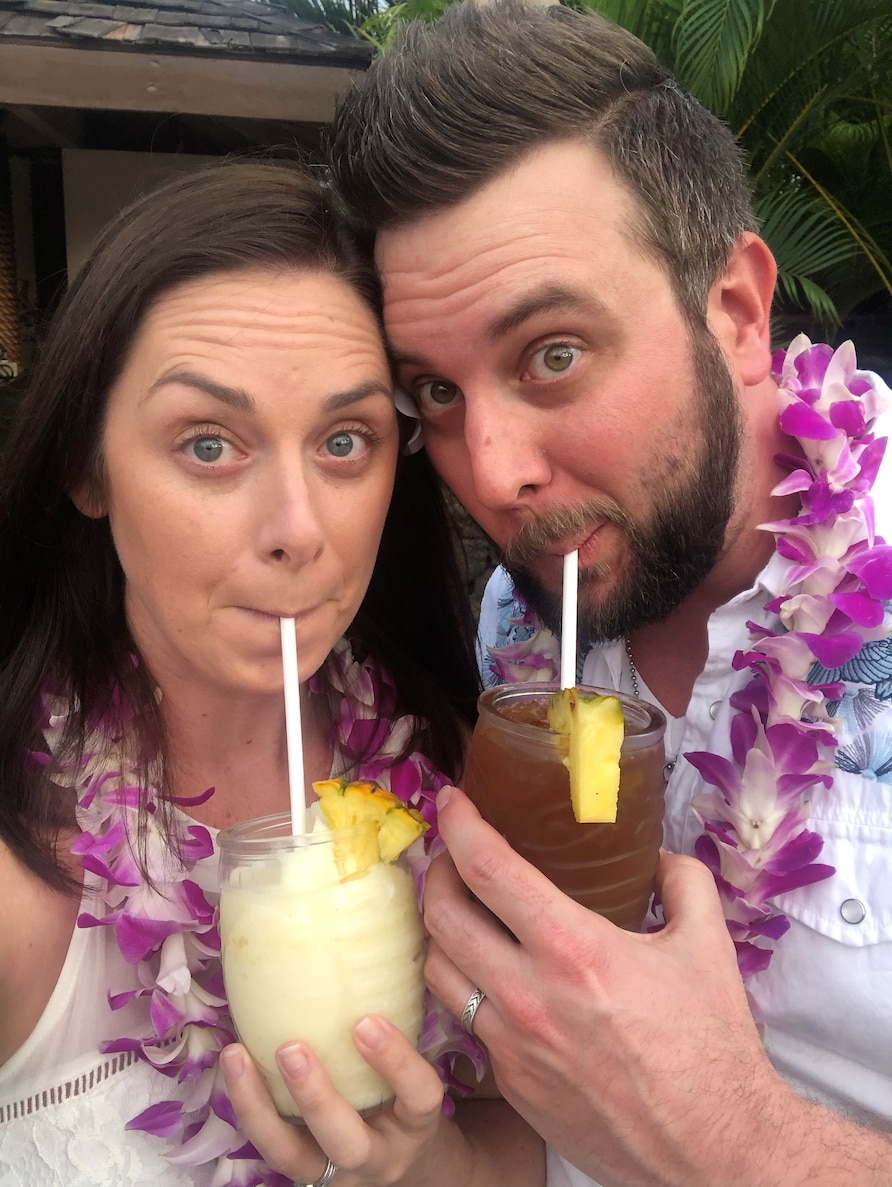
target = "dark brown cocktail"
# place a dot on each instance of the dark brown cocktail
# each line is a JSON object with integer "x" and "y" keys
{"x": 517, "y": 779}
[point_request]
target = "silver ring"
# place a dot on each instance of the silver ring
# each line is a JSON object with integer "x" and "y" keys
{"x": 469, "y": 1012}
{"x": 324, "y": 1179}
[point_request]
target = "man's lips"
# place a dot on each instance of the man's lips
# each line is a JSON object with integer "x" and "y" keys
{"x": 583, "y": 542}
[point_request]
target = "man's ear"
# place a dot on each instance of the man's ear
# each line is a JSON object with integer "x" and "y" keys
{"x": 738, "y": 308}
{"x": 89, "y": 498}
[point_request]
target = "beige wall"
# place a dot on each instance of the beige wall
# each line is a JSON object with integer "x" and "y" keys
{"x": 98, "y": 184}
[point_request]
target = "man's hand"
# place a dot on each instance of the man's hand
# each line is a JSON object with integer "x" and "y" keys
{"x": 635, "y": 1056}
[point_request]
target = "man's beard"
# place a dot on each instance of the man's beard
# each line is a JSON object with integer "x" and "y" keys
{"x": 671, "y": 553}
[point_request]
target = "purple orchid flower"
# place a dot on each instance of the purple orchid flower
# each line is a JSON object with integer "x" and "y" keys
{"x": 535, "y": 659}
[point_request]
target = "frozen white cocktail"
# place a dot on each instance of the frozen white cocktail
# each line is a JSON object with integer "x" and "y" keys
{"x": 318, "y": 931}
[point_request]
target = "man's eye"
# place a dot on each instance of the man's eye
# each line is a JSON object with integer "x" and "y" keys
{"x": 208, "y": 449}
{"x": 553, "y": 360}
{"x": 436, "y": 391}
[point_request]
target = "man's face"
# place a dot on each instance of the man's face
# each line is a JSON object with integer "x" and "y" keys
{"x": 563, "y": 394}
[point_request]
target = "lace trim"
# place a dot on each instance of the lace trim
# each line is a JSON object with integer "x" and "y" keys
{"x": 79, "y": 1086}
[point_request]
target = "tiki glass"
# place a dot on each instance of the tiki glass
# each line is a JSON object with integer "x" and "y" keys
{"x": 518, "y": 781}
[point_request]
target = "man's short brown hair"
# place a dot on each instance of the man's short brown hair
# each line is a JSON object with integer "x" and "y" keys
{"x": 457, "y": 101}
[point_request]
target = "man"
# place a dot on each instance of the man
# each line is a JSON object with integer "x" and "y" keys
{"x": 578, "y": 303}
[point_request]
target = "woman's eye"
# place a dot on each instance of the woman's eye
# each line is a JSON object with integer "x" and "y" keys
{"x": 208, "y": 449}
{"x": 553, "y": 359}
{"x": 344, "y": 444}
{"x": 438, "y": 392}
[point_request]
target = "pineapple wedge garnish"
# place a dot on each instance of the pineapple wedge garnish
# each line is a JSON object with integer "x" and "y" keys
{"x": 593, "y": 725}
{"x": 344, "y": 803}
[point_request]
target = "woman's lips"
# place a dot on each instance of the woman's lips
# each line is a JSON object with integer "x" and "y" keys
{"x": 275, "y": 615}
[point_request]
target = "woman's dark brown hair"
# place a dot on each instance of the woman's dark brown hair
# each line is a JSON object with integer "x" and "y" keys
{"x": 62, "y": 620}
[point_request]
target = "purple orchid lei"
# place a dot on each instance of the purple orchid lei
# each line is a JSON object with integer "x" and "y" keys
{"x": 166, "y": 926}
{"x": 837, "y": 576}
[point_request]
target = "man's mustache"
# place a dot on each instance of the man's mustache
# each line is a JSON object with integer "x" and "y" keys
{"x": 553, "y": 527}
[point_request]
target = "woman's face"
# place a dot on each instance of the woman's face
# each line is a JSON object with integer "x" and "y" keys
{"x": 249, "y": 452}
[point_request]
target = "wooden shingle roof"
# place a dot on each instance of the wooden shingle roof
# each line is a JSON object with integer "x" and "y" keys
{"x": 212, "y": 27}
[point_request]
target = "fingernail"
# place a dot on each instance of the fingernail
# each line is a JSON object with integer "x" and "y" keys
{"x": 233, "y": 1061}
{"x": 292, "y": 1058}
{"x": 444, "y": 795}
{"x": 372, "y": 1032}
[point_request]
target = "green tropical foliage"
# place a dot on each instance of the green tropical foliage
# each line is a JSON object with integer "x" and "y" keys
{"x": 806, "y": 87}
{"x": 376, "y": 20}
{"x": 381, "y": 28}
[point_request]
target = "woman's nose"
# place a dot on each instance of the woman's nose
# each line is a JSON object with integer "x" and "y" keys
{"x": 290, "y": 528}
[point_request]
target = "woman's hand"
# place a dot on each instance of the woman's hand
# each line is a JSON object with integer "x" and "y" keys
{"x": 377, "y": 1152}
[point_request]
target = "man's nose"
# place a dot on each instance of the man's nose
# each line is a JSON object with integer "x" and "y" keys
{"x": 508, "y": 465}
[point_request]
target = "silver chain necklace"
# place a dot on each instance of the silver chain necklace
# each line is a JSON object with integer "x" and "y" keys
{"x": 636, "y": 689}
{"x": 633, "y": 671}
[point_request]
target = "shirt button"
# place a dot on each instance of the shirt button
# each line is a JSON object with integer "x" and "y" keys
{"x": 853, "y": 910}
{"x": 669, "y": 768}
{"x": 714, "y": 708}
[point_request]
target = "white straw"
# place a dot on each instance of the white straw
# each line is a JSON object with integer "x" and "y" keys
{"x": 568, "y": 619}
{"x": 293, "y": 734}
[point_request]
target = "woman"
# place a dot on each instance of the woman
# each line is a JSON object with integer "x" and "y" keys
{"x": 208, "y": 442}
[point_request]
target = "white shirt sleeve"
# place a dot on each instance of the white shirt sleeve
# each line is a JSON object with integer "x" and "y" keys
{"x": 559, "y": 1172}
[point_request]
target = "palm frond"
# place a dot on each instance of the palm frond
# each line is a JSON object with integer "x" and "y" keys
{"x": 806, "y": 44}
{"x": 779, "y": 144}
{"x": 381, "y": 27}
{"x": 803, "y": 234}
{"x": 802, "y": 291}
{"x": 872, "y": 252}
{"x": 653, "y": 21}
{"x": 713, "y": 42}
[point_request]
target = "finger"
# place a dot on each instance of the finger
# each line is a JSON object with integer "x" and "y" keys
{"x": 515, "y": 891}
{"x": 450, "y": 985}
{"x": 334, "y": 1123}
{"x": 416, "y": 1084}
{"x": 464, "y": 934}
{"x": 689, "y": 896}
{"x": 284, "y": 1147}
{"x": 444, "y": 888}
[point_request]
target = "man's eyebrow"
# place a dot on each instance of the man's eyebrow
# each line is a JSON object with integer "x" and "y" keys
{"x": 554, "y": 298}
{"x": 237, "y": 397}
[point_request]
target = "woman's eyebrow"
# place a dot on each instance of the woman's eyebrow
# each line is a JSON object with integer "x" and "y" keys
{"x": 235, "y": 397}
{"x": 354, "y": 394}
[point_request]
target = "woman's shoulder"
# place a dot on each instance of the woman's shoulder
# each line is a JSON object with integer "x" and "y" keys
{"x": 34, "y": 940}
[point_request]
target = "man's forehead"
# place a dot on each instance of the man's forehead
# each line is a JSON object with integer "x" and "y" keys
{"x": 556, "y": 175}
{"x": 547, "y": 201}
